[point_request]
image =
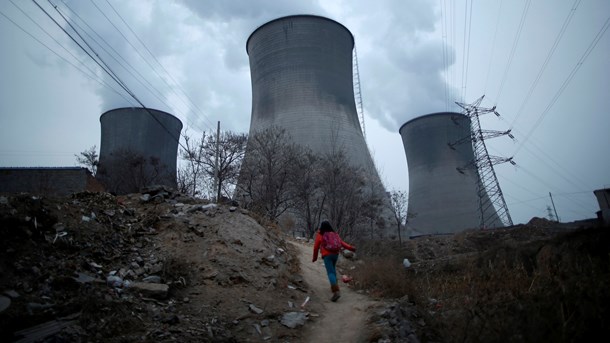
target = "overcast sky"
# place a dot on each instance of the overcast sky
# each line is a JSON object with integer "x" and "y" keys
{"x": 544, "y": 64}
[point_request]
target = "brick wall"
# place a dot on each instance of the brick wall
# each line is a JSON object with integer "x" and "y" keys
{"x": 48, "y": 181}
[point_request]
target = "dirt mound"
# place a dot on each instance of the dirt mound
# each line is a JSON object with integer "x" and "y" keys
{"x": 154, "y": 266}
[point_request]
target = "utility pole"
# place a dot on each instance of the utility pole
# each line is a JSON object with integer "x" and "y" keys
{"x": 554, "y": 209}
{"x": 216, "y": 176}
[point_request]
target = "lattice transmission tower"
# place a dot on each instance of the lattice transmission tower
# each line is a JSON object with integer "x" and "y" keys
{"x": 483, "y": 164}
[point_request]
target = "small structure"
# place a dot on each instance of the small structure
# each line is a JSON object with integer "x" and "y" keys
{"x": 603, "y": 199}
{"x": 48, "y": 180}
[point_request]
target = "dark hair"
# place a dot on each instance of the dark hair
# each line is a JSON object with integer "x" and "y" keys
{"x": 326, "y": 227}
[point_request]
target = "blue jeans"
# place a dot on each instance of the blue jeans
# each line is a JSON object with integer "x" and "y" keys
{"x": 329, "y": 262}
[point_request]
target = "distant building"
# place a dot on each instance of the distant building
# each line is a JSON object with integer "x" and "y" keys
{"x": 603, "y": 198}
{"x": 139, "y": 148}
{"x": 48, "y": 180}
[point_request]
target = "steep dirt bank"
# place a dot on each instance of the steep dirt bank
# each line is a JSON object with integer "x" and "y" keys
{"x": 144, "y": 267}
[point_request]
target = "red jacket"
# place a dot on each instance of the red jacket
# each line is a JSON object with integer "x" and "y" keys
{"x": 317, "y": 245}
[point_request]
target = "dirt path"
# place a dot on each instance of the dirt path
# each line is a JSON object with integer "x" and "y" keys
{"x": 342, "y": 321}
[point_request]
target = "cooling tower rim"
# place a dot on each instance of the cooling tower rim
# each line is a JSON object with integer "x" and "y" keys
{"x": 431, "y": 115}
{"x": 298, "y": 16}
{"x": 141, "y": 109}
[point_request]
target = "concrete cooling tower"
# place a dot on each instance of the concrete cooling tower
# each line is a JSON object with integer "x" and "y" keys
{"x": 138, "y": 149}
{"x": 301, "y": 70}
{"x": 442, "y": 199}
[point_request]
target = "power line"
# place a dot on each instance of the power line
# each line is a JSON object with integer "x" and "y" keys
{"x": 465, "y": 72}
{"x": 94, "y": 78}
{"x": 141, "y": 79}
{"x": 548, "y": 58}
{"x": 514, "y": 48}
{"x": 109, "y": 71}
{"x": 493, "y": 47}
{"x": 79, "y": 45}
{"x": 162, "y": 67}
{"x": 445, "y": 48}
{"x": 567, "y": 81}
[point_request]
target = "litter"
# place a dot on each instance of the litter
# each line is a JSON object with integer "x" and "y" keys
{"x": 305, "y": 302}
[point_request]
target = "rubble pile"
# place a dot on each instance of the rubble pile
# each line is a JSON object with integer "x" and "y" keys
{"x": 153, "y": 266}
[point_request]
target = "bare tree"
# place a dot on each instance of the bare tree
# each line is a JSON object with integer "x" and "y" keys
{"x": 305, "y": 181}
{"x": 264, "y": 181}
{"x": 371, "y": 213}
{"x": 189, "y": 176}
{"x": 398, "y": 205}
{"x": 89, "y": 159}
{"x": 200, "y": 156}
{"x": 131, "y": 171}
{"x": 342, "y": 185}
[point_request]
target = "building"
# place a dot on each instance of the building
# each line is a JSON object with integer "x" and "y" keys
{"x": 139, "y": 148}
{"x": 302, "y": 82}
{"x": 443, "y": 183}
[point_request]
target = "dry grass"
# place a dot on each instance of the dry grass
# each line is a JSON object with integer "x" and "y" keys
{"x": 543, "y": 291}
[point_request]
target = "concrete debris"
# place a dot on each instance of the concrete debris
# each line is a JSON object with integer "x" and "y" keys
{"x": 255, "y": 309}
{"x": 152, "y": 279}
{"x": 84, "y": 278}
{"x": 294, "y": 319}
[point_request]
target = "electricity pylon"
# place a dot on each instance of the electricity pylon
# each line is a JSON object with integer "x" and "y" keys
{"x": 484, "y": 163}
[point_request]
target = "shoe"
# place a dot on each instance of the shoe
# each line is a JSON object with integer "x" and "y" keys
{"x": 336, "y": 296}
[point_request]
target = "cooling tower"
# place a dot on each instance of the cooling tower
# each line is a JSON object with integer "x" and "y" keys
{"x": 441, "y": 198}
{"x": 301, "y": 70}
{"x": 138, "y": 149}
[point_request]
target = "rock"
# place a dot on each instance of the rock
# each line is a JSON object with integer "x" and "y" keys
{"x": 152, "y": 279}
{"x": 84, "y": 278}
{"x": 12, "y": 293}
{"x": 150, "y": 290}
{"x": 255, "y": 309}
{"x": 171, "y": 319}
{"x": 202, "y": 208}
{"x": 114, "y": 281}
{"x": 348, "y": 254}
{"x": 232, "y": 209}
{"x": 294, "y": 319}
{"x": 5, "y": 302}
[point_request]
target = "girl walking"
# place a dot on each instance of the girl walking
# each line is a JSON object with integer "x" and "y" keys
{"x": 330, "y": 244}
